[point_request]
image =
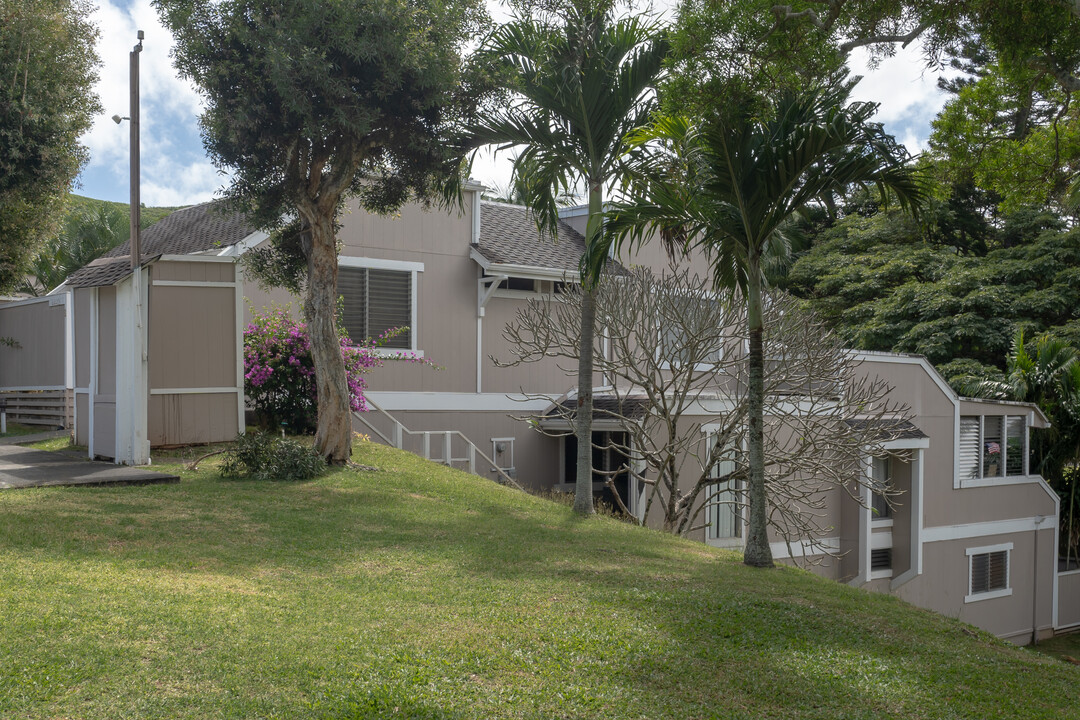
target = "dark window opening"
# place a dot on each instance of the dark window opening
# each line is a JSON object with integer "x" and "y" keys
{"x": 607, "y": 457}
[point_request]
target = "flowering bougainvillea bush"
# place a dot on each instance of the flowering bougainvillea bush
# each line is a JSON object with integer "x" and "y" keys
{"x": 279, "y": 373}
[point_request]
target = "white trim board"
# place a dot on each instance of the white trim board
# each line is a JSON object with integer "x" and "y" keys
{"x": 459, "y": 402}
{"x": 253, "y": 240}
{"x": 51, "y": 299}
{"x": 194, "y": 258}
{"x": 30, "y": 388}
{"x": 192, "y": 283}
{"x": 379, "y": 264}
{"x": 195, "y": 391}
{"x": 944, "y": 533}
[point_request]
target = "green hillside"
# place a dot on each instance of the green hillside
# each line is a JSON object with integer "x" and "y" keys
{"x": 421, "y": 592}
{"x": 148, "y": 215}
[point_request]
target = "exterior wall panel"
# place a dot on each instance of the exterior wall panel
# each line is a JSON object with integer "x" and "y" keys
{"x": 192, "y": 418}
{"x": 39, "y": 360}
{"x": 178, "y": 271}
{"x": 1069, "y": 599}
{"x": 192, "y": 337}
{"x": 943, "y": 585}
{"x": 82, "y": 338}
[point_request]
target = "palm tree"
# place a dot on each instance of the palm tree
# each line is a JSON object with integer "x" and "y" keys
{"x": 1046, "y": 372}
{"x": 580, "y": 79}
{"x": 730, "y": 187}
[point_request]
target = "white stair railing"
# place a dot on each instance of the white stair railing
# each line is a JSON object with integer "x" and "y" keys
{"x": 398, "y": 433}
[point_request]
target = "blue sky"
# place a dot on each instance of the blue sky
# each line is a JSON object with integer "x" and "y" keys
{"x": 176, "y": 171}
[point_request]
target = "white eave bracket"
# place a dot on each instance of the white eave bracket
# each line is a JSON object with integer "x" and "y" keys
{"x": 485, "y": 288}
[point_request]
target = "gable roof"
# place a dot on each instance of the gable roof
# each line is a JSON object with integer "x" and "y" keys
{"x": 509, "y": 240}
{"x": 199, "y": 228}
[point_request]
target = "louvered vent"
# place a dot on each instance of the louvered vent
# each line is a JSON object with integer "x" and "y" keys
{"x": 969, "y": 447}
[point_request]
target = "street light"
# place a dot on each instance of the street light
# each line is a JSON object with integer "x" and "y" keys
{"x": 135, "y": 386}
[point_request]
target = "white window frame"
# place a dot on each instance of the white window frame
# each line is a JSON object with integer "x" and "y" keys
{"x": 1004, "y": 479}
{"x": 1006, "y": 591}
{"x": 401, "y": 266}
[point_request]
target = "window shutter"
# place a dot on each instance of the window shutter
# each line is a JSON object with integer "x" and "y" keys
{"x": 969, "y": 447}
{"x": 352, "y": 286}
{"x": 390, "y": 305}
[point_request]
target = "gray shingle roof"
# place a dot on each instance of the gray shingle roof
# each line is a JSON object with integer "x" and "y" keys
{"x": 508, "y": 235}
{"x": 194, "y": 229}
{"x": 604, "y": 407}
{"x": 101, "y": 272}
{"x": 889, "y": 429}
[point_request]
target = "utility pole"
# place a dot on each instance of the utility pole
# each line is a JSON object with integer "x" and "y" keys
{"x": 132, "y": 445}
{"x": 136, "y": 212}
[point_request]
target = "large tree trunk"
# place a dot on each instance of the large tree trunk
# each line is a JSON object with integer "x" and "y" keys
{"x": 333, "y": 436}
{"x": 757, "y": 552}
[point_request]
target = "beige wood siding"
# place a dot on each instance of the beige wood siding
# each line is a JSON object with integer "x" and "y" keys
{"x": 192, "y": 337}
{"x": 1069, "y": 599}
{"x": 192, "y": 418}
{"x": 943, "y": 585}
{"x": 39, "y": 359}
{"x": 176, "y": 271}
{"x": 82, "y": 338}
{"x": 106, "y": 341}
{"x": 82, "y": 411}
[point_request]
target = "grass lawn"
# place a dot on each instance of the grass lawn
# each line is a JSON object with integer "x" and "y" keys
{"x": 1066, "y": 647}
{"x": 422, "y": 592}
{"x": 18, "y": 429}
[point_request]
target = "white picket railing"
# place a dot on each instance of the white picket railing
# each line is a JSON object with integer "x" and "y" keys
{"x": 399, "y": 432}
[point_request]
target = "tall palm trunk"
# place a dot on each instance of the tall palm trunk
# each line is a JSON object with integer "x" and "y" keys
{"x": 333, "y": 435}
{"x": 583, "y": 494}
{"x": 757, "y": 552}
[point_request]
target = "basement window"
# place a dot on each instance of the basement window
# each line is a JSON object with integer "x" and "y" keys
{"x": 881, "y": 559}
{"x": 988, "y": 572}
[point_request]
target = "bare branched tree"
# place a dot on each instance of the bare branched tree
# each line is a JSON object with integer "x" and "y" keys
{"x": 672, "y": 357}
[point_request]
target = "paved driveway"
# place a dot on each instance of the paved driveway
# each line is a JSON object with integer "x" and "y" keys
{"x": 22, "y": 468}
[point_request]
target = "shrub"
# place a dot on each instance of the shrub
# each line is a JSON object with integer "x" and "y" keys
{"x": 279, "y": 372}
{"x": 264, "y": 457}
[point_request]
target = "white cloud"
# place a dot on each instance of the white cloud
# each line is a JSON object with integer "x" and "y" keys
{"x": 906, "y": 91}
{"x": 169, "y": 110}
{"x": 175, "y": 167}
{"x": 172, "y": 183}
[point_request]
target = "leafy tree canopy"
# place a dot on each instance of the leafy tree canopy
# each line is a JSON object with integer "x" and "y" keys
{"x": 48, "y": 64}
{"x": 885, "y": 286}
{"x": 312, "y": 102}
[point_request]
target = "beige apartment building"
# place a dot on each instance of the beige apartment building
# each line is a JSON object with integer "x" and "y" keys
{"x": 157, "y": 360}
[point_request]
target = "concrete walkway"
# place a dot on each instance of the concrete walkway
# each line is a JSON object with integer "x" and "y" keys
{"x": 22, "y": 468}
